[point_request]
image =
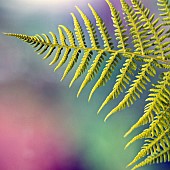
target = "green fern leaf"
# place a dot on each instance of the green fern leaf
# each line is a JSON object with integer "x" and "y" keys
{"x": 72, "y": 61}
{"x": 160, "y": 123}
{"x": 158, "y": 97}
{"x": 153, "y": 145}
{"x": 106, "y": 73}
{"x": 152, "y": 29}
{"x": 103, "y": 30}
{"x": 159, "y": 157}
{"x": 121, "y": 81}
{"x": 78, "y": 32}
{"x": 83, "y": 65}
{"x": 150, "y": 52}
{"x": 90, "y": 29}
{"x": 137, "y": 87}
{"x": 165, "y": 9}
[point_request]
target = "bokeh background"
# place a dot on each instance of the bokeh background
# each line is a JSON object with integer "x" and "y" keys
{"x": 43, "y": 126}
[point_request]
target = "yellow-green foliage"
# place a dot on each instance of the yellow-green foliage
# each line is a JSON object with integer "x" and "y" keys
{"x": 151, "y": 51}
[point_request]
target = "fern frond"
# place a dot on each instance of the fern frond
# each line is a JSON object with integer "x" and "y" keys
{"x": 92, "y": 71}
{"x": 158, "y": 35}
{"x": 102, "y": 29}
{"x": 121, "y": 81}
{"x": 106, "y": 73}
{"x": 165, "y": 9}
{"x": 41, "y": 42}
{"x": 75, "y": 54}
{"x": 160, "y": 124}
{"x": 52, "y": 47}
{"x": 90, "y": 29}
{"x": 119, "y": 28}
{"x": 161, "y": 142}
{"x": 111, "y": 63}
{"x": 66, "y": 53}
{"x": 137, "y": 87}
{"x": 159, "y": 157}
{"x": 136, "y": 31}
{"x": 150, "y": 52}
{"x": 71, "y": 63}
{"x": 83, "y": 65}
{"x": 55, "y": 42}
{"x": 78, "y": 32}
{"x": 69, "y": 34}
{"x": 57, "y": 55}
{"x": 64, "y": 58}
{"x": 158, "y": 97}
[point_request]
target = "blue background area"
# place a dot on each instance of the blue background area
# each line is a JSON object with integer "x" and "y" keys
{"x": 43, "y": 126}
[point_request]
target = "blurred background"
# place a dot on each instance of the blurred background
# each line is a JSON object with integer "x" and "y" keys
{"x": 43, "y": 126}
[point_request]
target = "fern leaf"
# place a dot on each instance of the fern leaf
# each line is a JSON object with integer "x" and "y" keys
{"x": 92, "y": 71}
{"x": 52, "y": 48}
{"x": 121, "y": 81}
{"x": 90, "y": 29}
{"x": 159, "y": 157}
{"x": 79, "y": 32}
{"x": 137, "y": 86}
{"x": 47, "y": 43}
{"x": 153, "y": 145}
{"x": 63, "y": 60}
{"x": 159, "y": 95}
{"x": 68, "y": 50}
{"x": 71, "y": 63}
{"x": 160, "y": 123}
{"x": 150, "y": 51}
{"x": 62, "y": 37}
{"x": 56, "y": 57}
{"x": 165, "y": 9}
{"x": 83, "y": 65}
{"x": 41, "y": 42}
{"x": 69, "y": 34}
{"x": 55, "y": 42}
{"x": 150, "y": 27}
{"x": 136, "y": 28}
{"x": 106, "y": 73}
{"x": 52, "y": 45}
{"x": 103, "y": 30}
{"x": 119, "y": 28}
{"x": 111, "y": 63}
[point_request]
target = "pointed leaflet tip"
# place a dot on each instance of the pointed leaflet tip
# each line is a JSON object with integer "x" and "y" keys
{"x": 89, "y": 5}
{"x": 105, "y": 119}
{"x": 72, "y": 14}
{"x": 127, "y": 145}
{"x": 101, "y": 107}
{"x": 99, "y": 110}
{"x": 7, "y": 34}
{"x": 79, "y": 92}
{"x": 91, "y": 93}
{"x": 4, "y": 33}
{"x": 128, "y": 132}
{"x": 89, "y": 97}
{"x": 62, "y": 78}
{"x": 71, "y": 83}
{"x": 76, "y": 7}
{"x": 109, "y": 114}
